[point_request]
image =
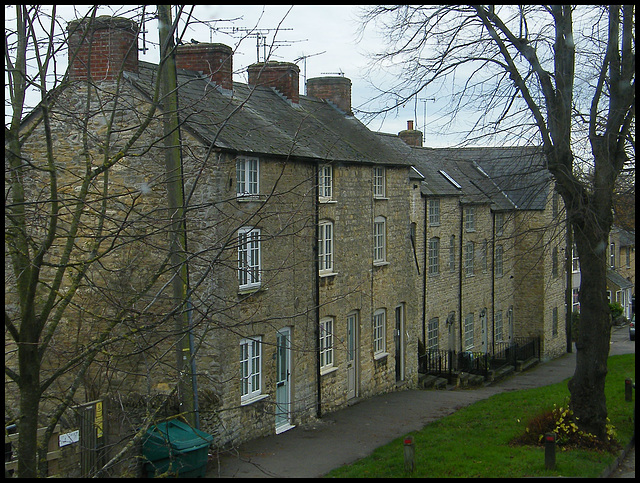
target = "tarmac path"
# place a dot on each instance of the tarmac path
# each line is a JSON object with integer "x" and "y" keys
{"x": 344, "y": 436}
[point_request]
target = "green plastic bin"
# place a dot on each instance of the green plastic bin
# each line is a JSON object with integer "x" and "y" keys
{"x": 176, "y": 449}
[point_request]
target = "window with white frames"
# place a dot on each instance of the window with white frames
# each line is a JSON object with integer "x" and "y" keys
{"x": 326, "y": 342}
{"x": 379, "y": 182}
{"x": 432, "y": 334}
{"x": 469, "y": 259}
{"x": 468, "y": 332}
{"x": 470, "y": 218}
{"x": 434, "y": 212}
{"x": 325, "y": 182}
{"x": 379, "y": 239}
{"x": 247, "y": 177}
{"x": 499, "y": 260}
{"x": 250, "y": 368}
{"x": 612, "y": 255}
{"x": 575, "y": 261}
{"x": 325, "y": 246}
{"x": 499, "y": 325}
{"x": 379, "y": 328}
{"x": 452, "y": 253}
{"x": 434, "y": 256}
{"x": 248, "y": 257}
{"x": 499, "y": 223}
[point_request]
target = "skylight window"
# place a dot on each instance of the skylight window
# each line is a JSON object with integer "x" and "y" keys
{"x": 449, "y": 179}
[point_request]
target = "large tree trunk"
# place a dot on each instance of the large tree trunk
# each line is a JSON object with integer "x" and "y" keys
{"x": 588, "y": 400}
{"x": 29, "y": 385}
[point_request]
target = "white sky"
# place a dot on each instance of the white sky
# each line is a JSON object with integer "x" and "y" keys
{"x": 327, "y": 34}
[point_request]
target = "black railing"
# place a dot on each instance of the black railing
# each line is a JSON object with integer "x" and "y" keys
{"x": 445, "y": 362}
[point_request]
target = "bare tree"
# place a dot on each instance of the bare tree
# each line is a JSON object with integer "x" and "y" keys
{"x": 562, "y": 77}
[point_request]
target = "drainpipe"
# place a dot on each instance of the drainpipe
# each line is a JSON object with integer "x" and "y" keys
{"x": 316, "y": 288}
{"x": 461, "y": 268}
{"x": 424, "y": 276}
{"x": 493, "y": 283}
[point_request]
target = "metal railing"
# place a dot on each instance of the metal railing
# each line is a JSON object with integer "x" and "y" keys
{"x": 446, "y": 362}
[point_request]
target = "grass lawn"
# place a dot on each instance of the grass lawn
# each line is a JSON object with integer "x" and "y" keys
{"x": 474, "y": 441}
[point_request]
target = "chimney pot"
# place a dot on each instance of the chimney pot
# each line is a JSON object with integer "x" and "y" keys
{"x": 214, "y": 60}
{"x": 102, "y": 48}
{"x": 409, "y": 125}
{"x": 336, "y": 90}
{"x": 282, "y": 76}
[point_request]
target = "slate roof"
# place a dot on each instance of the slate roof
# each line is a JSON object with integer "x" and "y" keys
{"x": 505, "y": 177}
{"x": 260, "y": 121}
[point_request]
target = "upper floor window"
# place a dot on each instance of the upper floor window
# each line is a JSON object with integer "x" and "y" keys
{"x": 612, "y": 255}
{"x": 470, "y": 218}
{"x": 248, "y": 257}
{"x": 379, "y": 239}
{"x": 326, "y": 342}
{"x": 499, "y": 260}
{"x": 379, "y": 182}
{"x": 325, "y": 246}
{"x": 499, "y": 217}
{"x": 575, "y": 261}
{"x": 469, "y": 259}
{"x": 250, "y": 368}
{"x": 452, "y": 253}
{"x": 325, "y": 182}
{"x": 434, "y": 256}
{"x": 434, "y": 212}
{"x": 247, "y": 176}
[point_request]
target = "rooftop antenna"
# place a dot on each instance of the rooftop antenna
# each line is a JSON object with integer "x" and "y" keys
{"x": 304, "y": 58}
{"x": 259, "y": 34}
{"x": 340, "y": 73}
{"x": 424, "y": 126}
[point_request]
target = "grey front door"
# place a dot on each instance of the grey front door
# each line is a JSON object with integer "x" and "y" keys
{"x": 283, "y": 379}
{"x": 352, "y": 356}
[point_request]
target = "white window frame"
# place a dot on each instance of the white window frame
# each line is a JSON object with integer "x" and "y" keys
{"x": 499, "y": 326}
{"x": 326, "y": 342}
{"x": 379, "y": 329}
{"x": 379, "y": 182}
{"x": 325, "y": 183}
{"x": 379, "y": 239}
{"x": 433, "y": 334}
{"x": 469, "y": 259}
{"x": 325, "y": 246}
{"x": 434, "y": 211}
{"x": 499, "y": 262}
{"x": 249, "y": 256}
{"x": 452, "y": 253}
{"x": 250, "y": 368}
{"x": 470, "y": 218}
{"x": 247, "y": 177}
{"x": 434, "y": 255}
{"x": 468, "y": 331}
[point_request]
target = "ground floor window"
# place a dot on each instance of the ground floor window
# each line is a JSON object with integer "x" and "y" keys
{"x": 250, "y": 368}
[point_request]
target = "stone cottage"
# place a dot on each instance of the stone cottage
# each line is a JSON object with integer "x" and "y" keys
{"x": 318, "y": 255}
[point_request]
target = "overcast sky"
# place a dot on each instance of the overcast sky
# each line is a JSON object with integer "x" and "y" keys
{"x": 326, "y": 35}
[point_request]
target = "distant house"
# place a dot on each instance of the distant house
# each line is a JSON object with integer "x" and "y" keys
{"x": 321, "y": 255}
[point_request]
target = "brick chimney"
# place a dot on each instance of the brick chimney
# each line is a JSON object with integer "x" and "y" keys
{"x": 102, "y": 47}
{"x": 214, "y": 60}
{"x": 336, "y": 90}
{"x": 411, "y": 136}
{"x": 283, "y": 76}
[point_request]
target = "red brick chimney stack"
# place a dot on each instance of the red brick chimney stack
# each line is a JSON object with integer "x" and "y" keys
{"x": 282, "y": 76}
{"x": 102, "y": 48}
{"x": 336, "y": 90}
{"x": 214, "y": 60}
{"x": 411, "y": 136}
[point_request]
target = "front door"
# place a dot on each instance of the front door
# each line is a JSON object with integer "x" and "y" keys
{"x": 399, "y": 340}
{"x": 352, "y": 356}
{"x": 283, "y": 380}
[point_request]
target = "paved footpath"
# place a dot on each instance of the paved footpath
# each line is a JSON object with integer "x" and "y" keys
{"x": 344, "y": 436}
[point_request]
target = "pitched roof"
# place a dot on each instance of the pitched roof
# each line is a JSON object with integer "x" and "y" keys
{"x": 506, "y": 177}
{"x": 260, "y": 121}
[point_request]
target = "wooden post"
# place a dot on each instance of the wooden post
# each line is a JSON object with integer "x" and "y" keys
{"x": 409, "y": 454}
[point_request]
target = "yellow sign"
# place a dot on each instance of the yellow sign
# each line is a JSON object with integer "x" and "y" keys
{"x": 99, "y": 419}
